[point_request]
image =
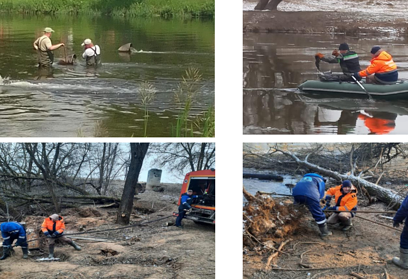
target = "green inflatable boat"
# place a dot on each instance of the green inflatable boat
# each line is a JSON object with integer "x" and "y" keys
{"x": 352, "y": 89}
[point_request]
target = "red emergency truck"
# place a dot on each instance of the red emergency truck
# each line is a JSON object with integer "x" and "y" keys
{"x": 203, "y": 184}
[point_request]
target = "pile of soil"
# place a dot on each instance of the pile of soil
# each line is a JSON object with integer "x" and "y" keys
{"x": 268, "y": 220}
{"x": 366, "y": 249}
{"x": 154, "y": 250}
{"x": 350, "y": 17}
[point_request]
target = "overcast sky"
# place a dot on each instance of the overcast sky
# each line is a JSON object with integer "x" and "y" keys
{"x": 167, "y": 176}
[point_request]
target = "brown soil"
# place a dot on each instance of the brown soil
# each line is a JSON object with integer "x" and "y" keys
{"x": 349, "y": 23}
{"x": 150, "y": 251}
{"x": 367, "y": 248}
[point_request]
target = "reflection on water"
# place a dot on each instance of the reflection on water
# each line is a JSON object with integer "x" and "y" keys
{"x": 275, "y": 64}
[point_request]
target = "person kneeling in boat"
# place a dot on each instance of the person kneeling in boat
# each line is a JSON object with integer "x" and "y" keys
{"x": 348, "y": 60}
{"x": 346, "y": 204}
{"x": 382, "y": 69}
{"x": 308, "y": 191}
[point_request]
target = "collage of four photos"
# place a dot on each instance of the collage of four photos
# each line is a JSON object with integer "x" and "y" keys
{"x": 334, "y": 206}
{"x": 112, "y": 112}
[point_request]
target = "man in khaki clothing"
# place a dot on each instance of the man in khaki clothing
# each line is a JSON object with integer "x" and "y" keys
{"x": 44, "y": 48}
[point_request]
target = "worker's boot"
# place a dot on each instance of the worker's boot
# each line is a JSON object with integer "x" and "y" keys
{"x": 51, "y": 251}
{"x": 402, "y": 261}
{"x": 346, "y": 225}
{"x": 6, "y": 253}
{"x": 323, "y": 230}
{"x": 25, "y": 252}
{"x": 73, "y": 244}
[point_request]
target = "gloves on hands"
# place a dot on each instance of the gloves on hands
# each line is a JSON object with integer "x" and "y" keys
{"x": 320, "y": 55}
{"x": 396, "y": 224}
{"x": 55, "y": 234}
{"x": 47, "y": 234}
{"x": 335, "y": 53}
{"x": 357, "y": 76}
{"x": 328, "y": 199}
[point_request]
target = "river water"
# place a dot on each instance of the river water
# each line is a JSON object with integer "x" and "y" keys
{"x": 78, "y": 101}
{"x": 253, "y": 185}
{"x": 275, "y": 64}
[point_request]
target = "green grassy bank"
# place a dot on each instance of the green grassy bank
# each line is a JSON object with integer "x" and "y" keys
{"x": 127, "y": 8}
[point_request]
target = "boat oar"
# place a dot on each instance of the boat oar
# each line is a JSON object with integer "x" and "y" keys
{"x": 362, "y": 87}
{"x": 317, "y": 63}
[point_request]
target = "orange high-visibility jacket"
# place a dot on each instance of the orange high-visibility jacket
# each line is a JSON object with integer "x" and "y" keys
{"x": 347, "y": 202}
{"x": 383, "y": 63}
{"x": 51, "y": 226}
{"x": 378, "y": 126}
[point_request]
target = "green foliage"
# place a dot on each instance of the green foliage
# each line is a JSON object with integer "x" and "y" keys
{"x": 206, "y": 124}
{"x": 147, "y": 93}
{"x": 185, "y": 97}
{"x": 128, "y": 8}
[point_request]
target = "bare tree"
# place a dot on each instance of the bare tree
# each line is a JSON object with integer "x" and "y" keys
{"x": 180, "y": 156}
{"x": 386, "y": 195}
{"x": 48, "y": 168}
{"x": 268, "y": 5}
{"x": 138, "y": 152}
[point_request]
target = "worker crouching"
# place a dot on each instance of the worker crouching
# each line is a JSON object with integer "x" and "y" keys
{"x": 308, "y": 191}
{"x": 346, "y": 204}
{"x": 11, "y": 231}
{"x": 53, "y": 228}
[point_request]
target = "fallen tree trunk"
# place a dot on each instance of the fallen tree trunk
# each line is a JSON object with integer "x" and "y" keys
{"x": 263, "y": 176}
{"x": 385, "y": 195}
{"x": 47, "y": 199}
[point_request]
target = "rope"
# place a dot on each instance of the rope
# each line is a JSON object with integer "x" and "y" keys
{"x": 364, "y": 211}
{"x": 121, "y": 228}
{"x": 378, "y": 223}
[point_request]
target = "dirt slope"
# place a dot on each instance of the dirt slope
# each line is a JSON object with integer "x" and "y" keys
{"x": 150, "y": 251}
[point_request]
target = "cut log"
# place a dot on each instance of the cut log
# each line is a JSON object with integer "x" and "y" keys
{"x": 32, "y": 239}
{"x": 263, "y": 176}
{"x": 108, "y": 205}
